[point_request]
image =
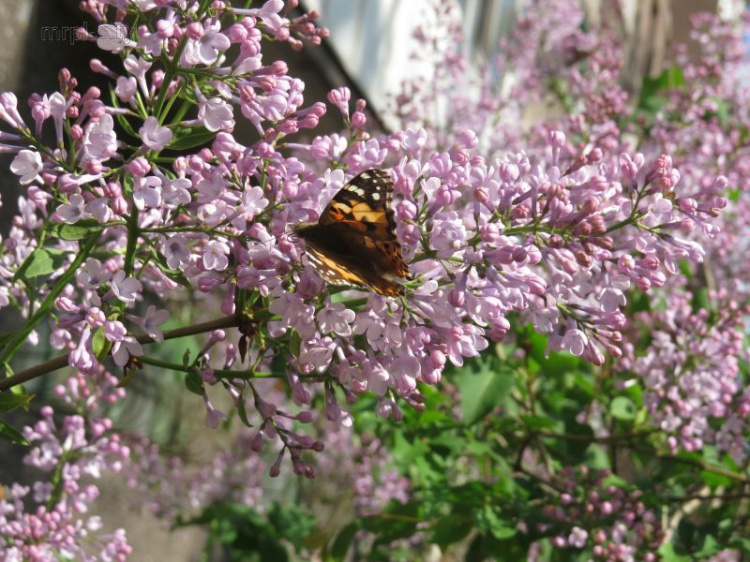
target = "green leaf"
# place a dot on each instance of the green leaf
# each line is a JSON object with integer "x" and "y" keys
{"x": 490, "y": 519}
{"x": 192, "y": 138}
{"x": 433, "y": 418}
{"x": 343, "y": 541}
{"x": 194, "y": 383}
{"x": 623, "y": 408}
{"x": 99, "y": 343}
{"x": 450, "y": 529}
{"x": 484, "y": 386}
{"x": 77, "y": 231}
{"x": 535, "y": 423}
{"x": 715, "y": 481}
{"x": 473, "y": 448}
{"x": 710, "y": 547}
{"x": 10, "y": 433}
{"x": 639, "y": 302}
{"x": 291, "y": 523}
{"x": 740, "y": 543}
{"x": 10, "y": 401}
{"x": 701, "y": 299}
{"x": 242, "y": 411}
{"x": 584, "y": 383}
{"x": 614, "y": 480}
{"x": 41, "y": 261}
{"x": 653, "y": 90}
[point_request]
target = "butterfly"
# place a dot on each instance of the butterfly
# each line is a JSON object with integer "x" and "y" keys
{"x": 354, "y": 242}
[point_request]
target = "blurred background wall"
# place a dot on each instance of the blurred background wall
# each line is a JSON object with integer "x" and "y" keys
{"x": 372, "y": 38}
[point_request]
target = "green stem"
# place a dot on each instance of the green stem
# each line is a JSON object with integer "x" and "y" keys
{"x": 41, "y": 312}
{"x": 220, "y": 373}
{"x": 132, "y": 241}
{"x": 168, "y": 75}
{"x": 622, "y": 223}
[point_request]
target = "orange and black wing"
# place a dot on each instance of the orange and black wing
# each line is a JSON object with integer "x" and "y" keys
{"x": 354, "y": 242}
{"x": 362, "y": 210}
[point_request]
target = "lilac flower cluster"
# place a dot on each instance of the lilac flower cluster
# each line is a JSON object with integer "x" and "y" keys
{"x": 708, "y": 150}
{"x": 50, "y": 520}
{"x": 174, "y": 490}
{"x": 693, "y": 391}
{"x": 608, "y": 520}
{"x": 558, "y": 235}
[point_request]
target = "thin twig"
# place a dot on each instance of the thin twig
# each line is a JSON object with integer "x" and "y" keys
{"x": 704, "y": 466}
{"x": 544, "y": 481}
{"x": 593, "y": 439}
{"x": 707, "y": 497}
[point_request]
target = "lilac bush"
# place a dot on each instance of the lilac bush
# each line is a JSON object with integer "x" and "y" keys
{"x": 556, "y": 268}
{"x": 50, "y": 520}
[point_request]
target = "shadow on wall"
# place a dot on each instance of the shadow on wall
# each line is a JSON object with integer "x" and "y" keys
{"x": 43, "y": 44}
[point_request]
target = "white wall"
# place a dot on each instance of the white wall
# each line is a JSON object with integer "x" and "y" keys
{"x": 373, "y": 38}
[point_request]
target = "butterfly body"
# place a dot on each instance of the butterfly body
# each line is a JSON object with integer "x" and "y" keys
{"x": 354, "y": 242}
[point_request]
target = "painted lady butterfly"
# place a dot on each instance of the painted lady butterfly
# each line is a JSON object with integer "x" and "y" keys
{"x": 354, "y": 242}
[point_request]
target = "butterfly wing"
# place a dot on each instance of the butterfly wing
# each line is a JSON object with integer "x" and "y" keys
{"x": 362, "y": 210}
{"x": 336, "y": 271}
{"x": 354, "y": 242}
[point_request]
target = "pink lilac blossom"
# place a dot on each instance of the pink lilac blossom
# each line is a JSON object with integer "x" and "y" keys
{"x": 691, "y": 376}
{"x": 50, "y": 520}
{"x": 598, "y": 513}
{"x": 486, "y": 234}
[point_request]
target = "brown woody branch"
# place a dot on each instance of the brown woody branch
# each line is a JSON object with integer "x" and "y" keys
{"x": 62, "y": 360}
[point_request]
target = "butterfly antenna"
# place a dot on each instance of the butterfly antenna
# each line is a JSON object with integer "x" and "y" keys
{"x": 290, "y": 235}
